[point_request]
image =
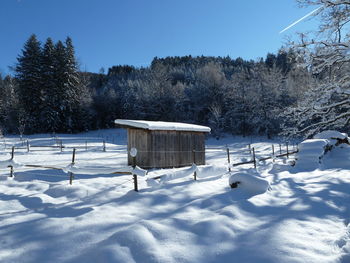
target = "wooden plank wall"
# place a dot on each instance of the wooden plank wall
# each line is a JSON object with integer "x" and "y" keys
{"x": 139, "y": 139}
{"x": 166, "y": 149}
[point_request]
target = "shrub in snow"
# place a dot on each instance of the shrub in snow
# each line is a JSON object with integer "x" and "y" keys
{"x": 250, "y": 181}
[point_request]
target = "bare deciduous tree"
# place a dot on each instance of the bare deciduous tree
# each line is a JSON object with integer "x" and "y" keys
{"x": 326, "y": 52}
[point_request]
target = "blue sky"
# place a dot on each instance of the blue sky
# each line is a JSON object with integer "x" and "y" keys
{"x": 113, "y": 32}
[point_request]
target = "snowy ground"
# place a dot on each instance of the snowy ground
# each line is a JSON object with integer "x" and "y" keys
{"x": 303, "y": 218}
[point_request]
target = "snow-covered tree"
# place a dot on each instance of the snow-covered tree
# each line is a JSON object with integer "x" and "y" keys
{"x": 28, "y": 74}
{"x": 238, "y": 103}
{"x": 77, "y": 96}
{"x": 208, "y": 96}
{"x": 269, "y": 87}
{"x": 67, "y": 110}
{"x": 327, "y": 54}
{"x": 9, "y": 106}
{"x": 159, "y": 97}
{"x": 51, "y": 101}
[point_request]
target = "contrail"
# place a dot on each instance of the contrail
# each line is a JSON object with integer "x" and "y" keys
{"x": 301, "y": 19}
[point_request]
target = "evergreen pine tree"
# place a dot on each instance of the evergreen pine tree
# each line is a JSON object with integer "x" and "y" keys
{"x": 60, "y": 86}
{"x": 78, "y": 97}
{"x": 50, "y": 121}
{"x": 70, "y": 94}
{"x": 28, "y": 74}
{"x": 72, "y": 85}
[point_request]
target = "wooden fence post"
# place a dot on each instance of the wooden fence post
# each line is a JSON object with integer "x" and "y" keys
{"x": 254, "y": 159}
{"x": 61, "y": 146}
{"x": 273, "y": 153}
{"x": 28, "y": 149}
{"x": 71, "y": 176}
{"x": 287, "y": 150}
{"x": 194, "y": 162}
{"x": 104, "y": 145}
{"x": 280, "y": 149}
{"x": 135, "y": 183}
{"x": 12, "y": 152}
{"x": 12, "y": 156}
{"x": 134, "y": 175}
{"x": 133, "y": 162}
{"x": 228, "y": 159}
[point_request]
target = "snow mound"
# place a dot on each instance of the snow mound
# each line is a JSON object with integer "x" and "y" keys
{"x": 6, "y": 163}
{"x": 205, "y": 171}
{"x": 344, "y": 244}
{"x": 332, "y": 136}
{"x": 95, "y": 170}
{"x": 312, "y": 147}
{"x": 250, "y": 181}
{"x": 177, "y": 174}
{"x": 76, "y": 191}
{"x": 338, "y": 157}
{"x": 202, "y": 171}
{"x": 146, "y": 241}
{"x": 310, "y": 153}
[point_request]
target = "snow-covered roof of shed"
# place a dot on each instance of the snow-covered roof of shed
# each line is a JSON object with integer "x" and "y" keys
{"x": 162, "y": 125}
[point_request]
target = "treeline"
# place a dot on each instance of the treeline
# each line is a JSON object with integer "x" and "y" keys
{"x": 48, "y": 93}
{"x": 229, "y": 95}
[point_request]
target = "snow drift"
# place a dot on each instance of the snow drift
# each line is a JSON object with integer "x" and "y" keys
{"x": 334, "y": 137}
{"x": 177, "y": 174}
{"x": 10, "y": 162}
{"x": 101, "y": 219}
{"x": 95, "y": 170}
{"x": 202, "y": 171}
{"x": 312, "y": 151}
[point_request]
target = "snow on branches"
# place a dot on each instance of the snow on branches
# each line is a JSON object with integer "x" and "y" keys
{"x": 327, "y": 55}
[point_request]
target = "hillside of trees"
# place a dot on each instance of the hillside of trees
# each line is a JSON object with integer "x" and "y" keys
{"x": 49, "y": 94}
{"x": 229, "y": 95}
{"x": 298, "y": 91}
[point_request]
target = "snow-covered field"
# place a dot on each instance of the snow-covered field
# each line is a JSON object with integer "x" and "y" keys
{"x": 303, "y": 217}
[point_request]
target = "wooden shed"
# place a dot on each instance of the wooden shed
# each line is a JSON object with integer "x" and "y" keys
{"x": 165, "y": 144}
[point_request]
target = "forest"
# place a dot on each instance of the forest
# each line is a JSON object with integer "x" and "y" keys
{"x": 300, "y": 90}
{"x": 47, "y": 94}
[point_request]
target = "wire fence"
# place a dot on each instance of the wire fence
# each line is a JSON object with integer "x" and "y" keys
{"x": 58, "y": 144}
{"x": 277, "y": 151}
